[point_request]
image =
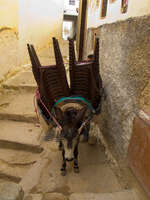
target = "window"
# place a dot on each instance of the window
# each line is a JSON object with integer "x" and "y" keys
{"x": 97, "y": 3}
{"x": 72, "y": 2}
{"x": 124, "y": 6}
{"x": 112, "y": 1}
{"x": 104, "y": 8}
{"x": 67, "y": 29}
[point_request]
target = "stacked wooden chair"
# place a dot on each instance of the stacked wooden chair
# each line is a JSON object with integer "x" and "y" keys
{"x": 85, "y": 80}
{"x": 51, "y": 80}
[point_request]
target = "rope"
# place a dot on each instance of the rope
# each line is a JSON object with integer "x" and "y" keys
{"x": 37, "y": 96}
{"x": 84, "y": 124}
{"x": 35, "y": 109}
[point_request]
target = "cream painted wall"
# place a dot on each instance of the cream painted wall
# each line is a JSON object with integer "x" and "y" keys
{"x": 40, "y": 20}
{"x": 9, "y": 14}
{"x": 135, "y": 8}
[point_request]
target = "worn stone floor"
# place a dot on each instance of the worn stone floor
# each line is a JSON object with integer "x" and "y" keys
{"x": 26, "y": 159}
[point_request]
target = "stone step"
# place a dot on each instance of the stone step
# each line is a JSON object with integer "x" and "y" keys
{"x": 32, "y": 177}
{"x": 35, "y": 197}
{"x": 15, "y": 164}
{"x": 20, "y": 135}
{"x": 17, "y": 105}
{"x": 11, "y": 191}
{"x": 47, "y": 196}
{"x": 122, "y": 195}
{"x": 20, "y": 158}
{"x": 22, "y": 80}
{"x": 13, "y": 173}
{"x": 95, "y": 174}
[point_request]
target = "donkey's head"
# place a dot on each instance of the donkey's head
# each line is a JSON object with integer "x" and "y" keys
{"x": 71, "y": 121}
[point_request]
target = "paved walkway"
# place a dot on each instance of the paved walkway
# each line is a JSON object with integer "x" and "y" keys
{"x": 25, "y": 158}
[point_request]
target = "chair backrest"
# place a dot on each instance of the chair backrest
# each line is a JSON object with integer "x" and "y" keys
{"x": 35, "y": 63}
{"x": 60, "y": 67}
{"x": 85, "y": 79}
{"x": 51, "y": 80}
{"x": 72, "y": 61}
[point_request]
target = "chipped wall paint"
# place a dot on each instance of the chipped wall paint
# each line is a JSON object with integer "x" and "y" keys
{"x": 9, "y": 14}
{"x": 135, "y": 8}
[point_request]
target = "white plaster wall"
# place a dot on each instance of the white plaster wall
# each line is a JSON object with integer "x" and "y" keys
{"x": 135, "y": 8}
{"x": 40, "y": 20}
{"x": 9, "y": 13}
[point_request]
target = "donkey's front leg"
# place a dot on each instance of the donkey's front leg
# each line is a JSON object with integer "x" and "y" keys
{"x": 60, "y": 146}
{"x": 76, "y": 167}
{"x": 63, "y": 168}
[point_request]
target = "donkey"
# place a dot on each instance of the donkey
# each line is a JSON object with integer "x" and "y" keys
{"x": 71, "y": 121}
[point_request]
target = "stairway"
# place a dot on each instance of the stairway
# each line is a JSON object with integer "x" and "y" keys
{"x": 20, "y": 140}
{"x": 26, "y": 159}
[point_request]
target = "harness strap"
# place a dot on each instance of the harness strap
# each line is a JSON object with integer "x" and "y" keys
{"x": 76, "y": 98}
{"x": 37, "y": 96}
{"x": 85, "y": 123}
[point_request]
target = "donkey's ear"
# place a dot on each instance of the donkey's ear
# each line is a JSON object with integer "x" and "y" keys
{"x": 59, "y": 113}
{"x": 79, "y": 117}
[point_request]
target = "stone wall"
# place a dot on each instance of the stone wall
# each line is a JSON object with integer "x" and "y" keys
{"x": 145, "y": 98}
{"x": 10, "y": 56}
{"x": 125, "y": 70}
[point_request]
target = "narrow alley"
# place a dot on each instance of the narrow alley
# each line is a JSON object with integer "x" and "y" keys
{"x": 35, "y": 164}
{"x": 114, "y": 163}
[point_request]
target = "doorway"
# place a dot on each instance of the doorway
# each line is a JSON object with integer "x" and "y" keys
{"x": 70, "y": 18}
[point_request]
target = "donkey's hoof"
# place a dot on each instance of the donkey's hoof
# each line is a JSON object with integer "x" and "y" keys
{"x": 76, "y": 170}
{"x": 63, "y": 173}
